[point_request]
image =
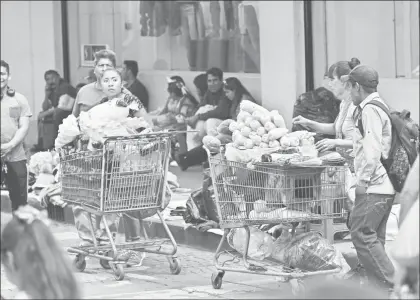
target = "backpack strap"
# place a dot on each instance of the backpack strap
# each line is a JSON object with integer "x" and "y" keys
{"x": 378, "y": 104}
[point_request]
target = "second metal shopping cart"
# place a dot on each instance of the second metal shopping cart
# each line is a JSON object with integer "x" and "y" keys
{"x": 128, "y": 174}
{"x": 292, "y": 195}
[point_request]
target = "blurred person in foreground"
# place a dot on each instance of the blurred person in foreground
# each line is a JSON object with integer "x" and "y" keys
{"x": 405, "y": 249}
{"x": 32, "y": 259}
{"x": 129, "y": 73}
{"x": 374, "y": 190}
{"x": 15, "y": 115}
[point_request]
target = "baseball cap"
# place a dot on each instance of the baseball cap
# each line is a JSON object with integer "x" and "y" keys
{"x": 91, "y": 75}
{"x": 363, "y": 75}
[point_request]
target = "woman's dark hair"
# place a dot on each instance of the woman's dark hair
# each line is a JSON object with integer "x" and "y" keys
{"x": 341, "y": 68}
{"x": 80, "y": 85}
{"x": 39, "y": 261}
{"x": 234, "y": 84}
{"x": 200, "y": 82}
{"x": 175, "y": 87}
{"x": 216, "y": 72}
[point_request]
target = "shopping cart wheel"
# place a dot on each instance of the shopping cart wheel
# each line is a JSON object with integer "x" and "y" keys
{"x": 174, "y": 266}
{"x": 217, "y": 279}
{"x": 118, "y": 270}
{"x": 298, "y": 288}
{"x": 79, "y": 263}
{"x": 105, "y": 263}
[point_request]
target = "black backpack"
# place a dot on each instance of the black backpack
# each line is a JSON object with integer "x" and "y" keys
{"x": 404, "y": 147}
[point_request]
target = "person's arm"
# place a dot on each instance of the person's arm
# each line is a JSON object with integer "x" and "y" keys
{"x": 66, "y": 102}
{"x": 348, "y": 144}
{"x": 372, "y": 145}
{"x": 76, "y": 106}
{"x": 25, "y": 114}
{"x": 324, "y": 128}
{"x": 220, "y": 112}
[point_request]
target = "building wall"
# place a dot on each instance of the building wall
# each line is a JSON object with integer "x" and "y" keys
{"x": 282, "y": 68}
{"x": 385, "y": 41}
{"x": 28, "y": 44}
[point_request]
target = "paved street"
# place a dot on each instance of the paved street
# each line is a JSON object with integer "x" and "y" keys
{"x": 153, "y": 279}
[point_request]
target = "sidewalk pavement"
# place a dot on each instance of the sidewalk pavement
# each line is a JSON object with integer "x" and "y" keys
{"x": 186, "y": 234}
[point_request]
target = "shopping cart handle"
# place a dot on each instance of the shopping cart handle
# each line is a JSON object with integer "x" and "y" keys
{"x": 136, "y": 136}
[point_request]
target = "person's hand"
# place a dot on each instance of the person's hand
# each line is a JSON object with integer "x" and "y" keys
{"x": 361, "y": 190}
{"x": 325, "y": 145}
{"x": 6, "y": 148}
{"x": 192, "y": 120}
{"x": 48, "y": 90}
{"x": 121, "y": 103}
{"x": 299, "y": 120}
{"x": 180, "y": 119}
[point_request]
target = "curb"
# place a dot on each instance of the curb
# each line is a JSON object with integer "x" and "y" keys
{"x": 209, "y": 241}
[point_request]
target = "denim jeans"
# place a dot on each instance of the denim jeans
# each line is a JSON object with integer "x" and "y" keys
{"x": 17, "y": 183}
{"x": 368, "y": 231}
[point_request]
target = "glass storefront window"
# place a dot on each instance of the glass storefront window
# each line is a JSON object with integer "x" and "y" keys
{"x": 192, "y": 35}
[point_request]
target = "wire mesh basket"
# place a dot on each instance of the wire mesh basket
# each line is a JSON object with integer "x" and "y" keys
{"x": 269, "y": 193}
{"x": 127, "y": 174}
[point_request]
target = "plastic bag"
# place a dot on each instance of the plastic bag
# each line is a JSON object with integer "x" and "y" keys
{"x": 308, "y": 252}
{"x": 260, "y": 243}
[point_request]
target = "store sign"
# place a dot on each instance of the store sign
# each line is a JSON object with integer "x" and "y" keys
{"x": 88, "y": 53}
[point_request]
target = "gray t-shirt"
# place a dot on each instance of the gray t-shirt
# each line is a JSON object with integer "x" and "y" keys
{"x": 12, "y": 109}
{"x": 88, "y": 96}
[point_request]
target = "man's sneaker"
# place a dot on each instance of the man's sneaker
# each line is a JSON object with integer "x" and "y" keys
{"x": 358, "y": 273}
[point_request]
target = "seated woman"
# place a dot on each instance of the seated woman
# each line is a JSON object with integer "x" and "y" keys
{"x": 235, "y": 92}
{"x": 180, "y": 105}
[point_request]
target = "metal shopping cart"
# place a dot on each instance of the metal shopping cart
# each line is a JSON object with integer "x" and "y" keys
{"x": 295, "y": 194}
{"x": 128, "y": 174}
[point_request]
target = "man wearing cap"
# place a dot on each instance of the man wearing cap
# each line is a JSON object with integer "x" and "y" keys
{"x": 374, "y": 192}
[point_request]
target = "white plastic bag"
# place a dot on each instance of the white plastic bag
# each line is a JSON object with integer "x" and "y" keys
{"x": 260, "y": 243}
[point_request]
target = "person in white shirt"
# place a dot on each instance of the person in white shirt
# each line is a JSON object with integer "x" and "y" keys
{"x": 374, "y": 191}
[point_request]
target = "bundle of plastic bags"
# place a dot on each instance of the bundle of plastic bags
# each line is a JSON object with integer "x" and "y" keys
{"x": 67, "y": 132}
{"x": 308, "y": 252}
{"x": 43, "y": 162}
{"x": 260, "y": 243}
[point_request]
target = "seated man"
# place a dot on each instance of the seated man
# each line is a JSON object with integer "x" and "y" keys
{"x": 57, "y": 105}
{"x": 204, "y": 122}
{"x": 129, "y": 75}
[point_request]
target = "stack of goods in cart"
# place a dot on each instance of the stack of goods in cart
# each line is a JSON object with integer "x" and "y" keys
{"x": 261, "y": 140}
{"x": 82, "y": 135}
{"x": 259, "y": 135}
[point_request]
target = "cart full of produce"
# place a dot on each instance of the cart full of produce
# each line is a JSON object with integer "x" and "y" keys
{"x": 280, "y": 181}
{"x": 106, "y": 167}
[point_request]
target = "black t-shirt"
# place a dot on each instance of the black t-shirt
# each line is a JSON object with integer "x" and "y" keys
{"x": 140, "y": 91}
